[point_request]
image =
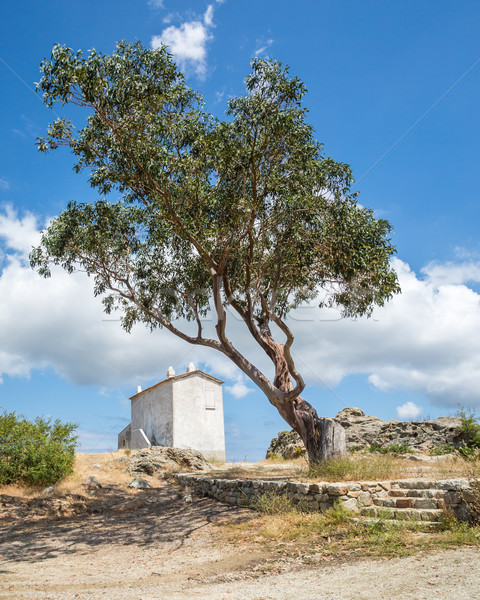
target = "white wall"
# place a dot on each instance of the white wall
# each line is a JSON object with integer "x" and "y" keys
{"x": 194, "y": 425}
{"x": 152, "y": 412}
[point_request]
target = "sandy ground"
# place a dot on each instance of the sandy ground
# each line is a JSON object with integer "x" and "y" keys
{"x": 120, "y": 544}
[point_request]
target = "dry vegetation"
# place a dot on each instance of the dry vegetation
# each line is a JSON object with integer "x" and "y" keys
{"x": 355, "y": 467}
{"x": 283, "y": 529}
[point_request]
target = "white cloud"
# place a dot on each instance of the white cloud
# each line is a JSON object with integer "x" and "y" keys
{"x": 239, "y": 389}
{"x": 188, "y": 42}
{"x": 208, "y": 16}
{"x": 155, "y": 4}
{"x": 18, "y": 234}
{"x": 425, "y": 340}
{"x": 263, "y": 46}
{"x": 4, "y": 184}
{"x": 452, "y": 273}
{"x": 409, "y": 410}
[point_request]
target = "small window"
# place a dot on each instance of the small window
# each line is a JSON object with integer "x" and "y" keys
{"x": 210, "y": 399}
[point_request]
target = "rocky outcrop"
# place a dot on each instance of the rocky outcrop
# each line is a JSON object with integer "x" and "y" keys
{"x": 363, "y": 430}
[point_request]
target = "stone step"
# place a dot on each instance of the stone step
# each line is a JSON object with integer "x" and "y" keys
{"x": 407, "y": 502}
{"x": 423, "y": 484}
{"x": 405, "y": 522}
{"x": 413, "y": 514}
{"x": 412, "y": 493}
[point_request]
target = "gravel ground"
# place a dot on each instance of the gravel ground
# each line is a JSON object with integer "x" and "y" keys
{"x": 118, "y": 545}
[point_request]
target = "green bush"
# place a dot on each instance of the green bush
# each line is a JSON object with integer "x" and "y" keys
{"x": 39, "y": 452}
{"x": 391, "y": 449}
{"x": 470, "y": 427}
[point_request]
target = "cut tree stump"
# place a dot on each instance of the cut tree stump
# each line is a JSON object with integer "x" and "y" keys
{"x": 332, "y": 439}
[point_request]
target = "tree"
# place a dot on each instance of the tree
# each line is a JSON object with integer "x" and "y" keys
{"x": 245, "y": 215}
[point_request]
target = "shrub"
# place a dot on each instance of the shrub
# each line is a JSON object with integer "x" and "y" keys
{"x": 443, "y": 449}
{"x": 391, "y": 449}
{"x": 39, "y": 452}
{"x": 470, "y": 427}
{"x": 274, "y": 503}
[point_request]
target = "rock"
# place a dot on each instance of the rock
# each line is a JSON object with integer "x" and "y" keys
{"x": 154, "y": 460}
{"x": 48, "y": 490}
{"x": 187, "y": 498}
{"x": 91, "y": 483}
{"x": 139, "y": 484}
{"x": 288, "y": 445}
{"x": 363, "y": 430}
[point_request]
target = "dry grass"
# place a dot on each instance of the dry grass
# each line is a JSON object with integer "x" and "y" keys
{"x": 338, "y": 532}
{"x": 354, "y": 467}
{"x": 376, "y": 467}
{"x": 102, "y": 466}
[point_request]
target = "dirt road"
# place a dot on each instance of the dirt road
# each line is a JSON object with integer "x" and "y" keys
{"x": 153, "y": 545}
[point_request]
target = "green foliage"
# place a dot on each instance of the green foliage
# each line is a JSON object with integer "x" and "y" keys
{"x": 252, "y": 196}
{"x": 390, "y": 449}
{"x": 443, "y": 449}
{"x": 299, "y": 451}
{"x": 275, "y": 456}
{"x": 338, "y": 514}
{"x": 470, "y": 427}
{"x": 39, "y": 452}
{"x": 248, "y": 212}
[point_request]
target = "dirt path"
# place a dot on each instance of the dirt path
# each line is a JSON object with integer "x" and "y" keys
{"x": 119, "y": 546}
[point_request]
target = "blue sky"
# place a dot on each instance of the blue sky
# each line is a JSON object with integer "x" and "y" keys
{"x": 393, "y": 91}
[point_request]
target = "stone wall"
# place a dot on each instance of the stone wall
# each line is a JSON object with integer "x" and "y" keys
{"x": 418, "y": 499}
{"x": 363, "y": 430}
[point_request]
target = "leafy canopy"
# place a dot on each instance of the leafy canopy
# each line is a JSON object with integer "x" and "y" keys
{"x": 248, "y": 210}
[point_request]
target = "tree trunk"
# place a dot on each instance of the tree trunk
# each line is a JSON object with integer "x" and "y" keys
{"x": 324, "y": 438}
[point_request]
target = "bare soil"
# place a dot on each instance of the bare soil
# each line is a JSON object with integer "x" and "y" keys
{"x": 117, "y": 543}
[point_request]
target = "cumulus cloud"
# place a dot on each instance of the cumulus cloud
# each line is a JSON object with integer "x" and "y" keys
{"x": 409, "y": 410}
{"x": 238, "y": 389}
{"x": 155, "y": 4}
{"x": 424, "y": 340}
{"x": 188, "y": 42}
{"x": 58, "y": 323}
{"x": 263, "y": 46}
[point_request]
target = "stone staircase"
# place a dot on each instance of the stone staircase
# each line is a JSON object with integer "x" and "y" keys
{"x": 417, "y": 500}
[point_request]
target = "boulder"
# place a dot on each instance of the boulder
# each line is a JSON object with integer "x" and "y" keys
{"x": 91, "y": 483}
{"x": 287, "y": 444}
{"x": 154, "y": 460}
{"x": 363, "y": 430}
{"x": 139, "y": 484}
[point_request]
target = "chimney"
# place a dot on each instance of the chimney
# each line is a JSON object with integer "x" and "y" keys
{"x": 191, "y": 367}
{"x": 139, "y": 389}
{"x": 170, "y": 372}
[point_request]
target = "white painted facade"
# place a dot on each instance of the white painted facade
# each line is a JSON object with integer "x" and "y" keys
{"x": 182, "y": 411}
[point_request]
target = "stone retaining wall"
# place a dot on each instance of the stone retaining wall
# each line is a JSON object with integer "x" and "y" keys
{"x": 422, "y": 499}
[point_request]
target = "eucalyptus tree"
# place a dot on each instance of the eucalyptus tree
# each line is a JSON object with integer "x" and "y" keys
{"x": 244, "y": 215}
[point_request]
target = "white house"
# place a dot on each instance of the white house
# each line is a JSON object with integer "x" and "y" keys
{"x": 182, "y": 411}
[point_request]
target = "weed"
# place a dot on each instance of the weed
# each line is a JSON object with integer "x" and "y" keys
{"x": 275, "y": 456}
{"x": 391, "y": 449}
{"x": 274, "y": 503}
{"x": 443, "y": 449}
